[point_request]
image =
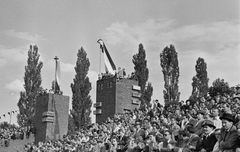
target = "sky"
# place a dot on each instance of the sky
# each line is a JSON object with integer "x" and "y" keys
{"x": 197, "y": 28}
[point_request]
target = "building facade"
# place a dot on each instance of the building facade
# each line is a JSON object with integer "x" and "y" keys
{"x": 114, "y": 96}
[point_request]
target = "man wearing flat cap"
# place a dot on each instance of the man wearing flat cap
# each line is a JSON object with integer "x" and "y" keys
{"x": 229, "y": 135}
{"x": 208, "y": 141}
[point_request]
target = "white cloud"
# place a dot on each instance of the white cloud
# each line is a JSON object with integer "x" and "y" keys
{"x": 2, "y": 62}
{"x": 217, "y": 42}
{"x": 17, "y": 54}
{"x": 15, "y": 85}
{"x": 150, "y": 33}
{"x": 93, "y": 76}
{"x": 160, "y": 33}
{"x": 64, "y": 67}
{"x": 67, "y": 67}
{"x": 24, "y": 35}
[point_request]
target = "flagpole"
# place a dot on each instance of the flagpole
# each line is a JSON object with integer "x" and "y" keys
{"x": 56, "y": 59}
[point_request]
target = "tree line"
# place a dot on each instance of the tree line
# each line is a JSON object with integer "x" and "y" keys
{"x": 81, "y": 86}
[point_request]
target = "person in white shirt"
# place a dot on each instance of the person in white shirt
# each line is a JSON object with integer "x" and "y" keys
{"x": 216, "y": 120}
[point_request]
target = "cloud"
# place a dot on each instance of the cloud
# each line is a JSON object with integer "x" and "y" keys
{"x": 15, "y": 85}
{"x": 150, "y": 33}
{"x": 17, "y": 54}
{"x": 24, "y": 35}
{"x": 217, "y": 42}
{"x": 64, "y": 67}
{"x": 157, "y": 34}
{"x": 2, "y": 62}
{"x": 67, "y": 67}
{"x": 93, "y": 76}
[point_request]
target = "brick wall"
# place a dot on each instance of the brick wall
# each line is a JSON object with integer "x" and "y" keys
{"x": 51, "y": 119}
{"x": 115, "y": 97}
{"x": 124, "y": 95}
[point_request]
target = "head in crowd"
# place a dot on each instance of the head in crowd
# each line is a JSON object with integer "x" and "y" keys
{"x": 173, "y": 120}
{"x": 208, "y": 126}
{"x": 217, "y": 133}
{"x": 215, "y": 112}
{"x": 226, "y": 107}
{"x": 227, "y": 121}
{"x": 138, "y": 124}
{"x": 167, "y": 134}
{"x": 200, "y": 114}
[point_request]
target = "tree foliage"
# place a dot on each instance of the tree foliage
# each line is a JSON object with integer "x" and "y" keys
{"x": 219, "y": 87}
{"x": 71, "y": 125}
{"x": 170, "y": 69}
{"x": 81, "y": 86}
{"x": 141, "y": 74}
{"x": 147, "y": 95}
{"x": 57, "y": 90}
{"x": 32, "y": 86}
{"x": 5, "y": 125}
{"x": 200, "y": 81}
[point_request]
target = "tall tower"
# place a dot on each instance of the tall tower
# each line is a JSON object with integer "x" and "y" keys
{"x": 114, "y": 96}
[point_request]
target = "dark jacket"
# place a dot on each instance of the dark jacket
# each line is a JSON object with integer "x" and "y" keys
{"x": 122, "y": 144}
{"x": 208, "y": 142}
{"x": 228, "y": 139}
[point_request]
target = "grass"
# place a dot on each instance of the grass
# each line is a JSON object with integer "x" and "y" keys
{"x": 17, "y": 145}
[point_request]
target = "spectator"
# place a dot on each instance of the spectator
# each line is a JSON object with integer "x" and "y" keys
{"x": 198, "y": 126}
{"x": 174, "y": 127}
{"x": 215, "y": 118}
{"x": 168, "y": 143}
{"x": 122, "y": 141}
{"x": 229, "y": 134}
{"x": 217, "y": 135}
{"x": 190, "y": 139}
{"x": 238, "y": 145}
{"x": 209, "y": 139}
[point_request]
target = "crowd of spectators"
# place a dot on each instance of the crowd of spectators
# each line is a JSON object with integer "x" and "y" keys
{"x": 205, "y": 125}
{"x": 11, "y": 133}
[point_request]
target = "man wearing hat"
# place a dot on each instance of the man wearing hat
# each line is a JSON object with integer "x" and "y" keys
{"x": 229, "y": 135}
{"x": 208, "y": 141}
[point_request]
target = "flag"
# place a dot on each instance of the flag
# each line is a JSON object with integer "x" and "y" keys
{"x": 57, "y": 76}
{"x": 109, "y": 64}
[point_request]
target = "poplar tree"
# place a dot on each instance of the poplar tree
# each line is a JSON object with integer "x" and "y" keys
{"x": 170, "y": 69}
{"x": 141, "y": 74}
{"x": 32, "y": 86}
{"x": 81, "y": 86}
{"x": 200, "y": 81}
